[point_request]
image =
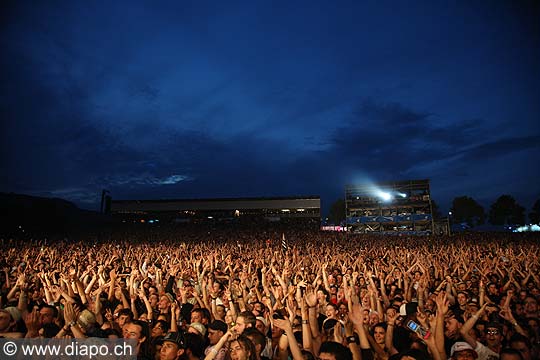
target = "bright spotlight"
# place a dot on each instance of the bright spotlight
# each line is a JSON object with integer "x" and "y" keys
{"x": 385, "y": 196}
{"x": 402, "y": 195}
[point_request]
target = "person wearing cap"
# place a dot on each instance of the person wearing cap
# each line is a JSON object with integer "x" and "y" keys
{"x": 7, "y": 322}
{"x": 173, "y": 346}
{"x": 216, "y": 330}
{"x": 261, "y": 324}
{"x": 197, "y": 328}
{"x": 472, "y": 306}
{"x": 462, "y": 350}
{"x": 494, "y": 336}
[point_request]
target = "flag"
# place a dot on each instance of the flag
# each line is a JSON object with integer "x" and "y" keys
{"x": 284, "y": 245}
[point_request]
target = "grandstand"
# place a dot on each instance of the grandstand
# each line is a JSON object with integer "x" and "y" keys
{"x": 390, "y": 207}
{"x": 273, "y": 209}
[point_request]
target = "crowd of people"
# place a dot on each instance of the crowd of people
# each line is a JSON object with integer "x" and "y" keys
{"x": 190, "y": 293}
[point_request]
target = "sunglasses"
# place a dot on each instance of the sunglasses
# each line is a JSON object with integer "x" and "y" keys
{"x": 492, "y": 332}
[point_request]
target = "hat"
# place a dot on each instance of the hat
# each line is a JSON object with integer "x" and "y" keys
{"x": 263, "y": 320}
{"x": 199, "y": 327}
{"x": 462, "y": 346}
{"x": 175, "y": 337}
{"x": 86, "y": 318}
{"x": 218, "y": 325}
{"x": 408, "y": 309}
{"x": 473, "y": 302}
{"x": 14, "y": 312}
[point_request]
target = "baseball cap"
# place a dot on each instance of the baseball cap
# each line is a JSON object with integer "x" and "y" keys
{"x": 199, "y": 327}
{"x": 263, "y": 320}
{"x": 218, "y": 325}
{"x": 14, "y": 312}
{"x": 408, "y": 308}
{"x": 462, "y": 346}
{"x": 175, "y": 337}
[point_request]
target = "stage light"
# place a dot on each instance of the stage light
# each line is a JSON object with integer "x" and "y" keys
{"x": 385, "y": 196}
{"x": 402, "y": 195}
{"x": 527, "y": 228}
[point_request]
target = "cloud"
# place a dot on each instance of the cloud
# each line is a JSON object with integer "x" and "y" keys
{"x": 134, "y": 180}
{"x": 499, "y": 147}
{"x": 186, "y": 110}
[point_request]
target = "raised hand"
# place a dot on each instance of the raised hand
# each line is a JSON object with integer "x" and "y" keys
{"x": 311, "y": 297}
{"x": 69, "y": 313}
{"x": 357, "y": 315}
{"x": 442, "y": 302}
{"x": 32, "y": 321}
{"x": 283, "y": 324}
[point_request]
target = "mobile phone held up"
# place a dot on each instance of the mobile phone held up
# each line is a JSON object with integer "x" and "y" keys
{"x": 417, "y": 328}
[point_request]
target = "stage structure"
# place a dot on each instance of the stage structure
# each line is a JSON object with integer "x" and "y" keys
{"x": 390, "y": 207}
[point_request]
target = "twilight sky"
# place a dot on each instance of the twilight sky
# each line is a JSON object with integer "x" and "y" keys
{"x": 199, "y": 99}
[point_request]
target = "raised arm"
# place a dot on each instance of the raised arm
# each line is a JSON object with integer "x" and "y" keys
{"x": 285, "y": 325}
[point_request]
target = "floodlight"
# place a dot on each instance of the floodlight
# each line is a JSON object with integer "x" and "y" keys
{"x": 402, "y": 195}
{"x": 385, "y": 196}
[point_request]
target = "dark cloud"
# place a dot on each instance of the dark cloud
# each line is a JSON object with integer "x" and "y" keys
{"x": 501, "y": 147}
{"x": 264, "y": 99}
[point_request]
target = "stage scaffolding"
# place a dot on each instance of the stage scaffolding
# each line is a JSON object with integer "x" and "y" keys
{"x": 390, "y": 207}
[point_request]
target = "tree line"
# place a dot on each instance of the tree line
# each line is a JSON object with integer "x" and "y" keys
{"x": 504, "y": 211}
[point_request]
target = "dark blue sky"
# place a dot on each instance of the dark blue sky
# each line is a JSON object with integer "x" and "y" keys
{"x": 222, "y": 99}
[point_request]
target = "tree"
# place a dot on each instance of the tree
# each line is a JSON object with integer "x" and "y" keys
{"x": 534, "y": 215}
{"x": 505, "y": 211}
{"x": 466, "y": 209}
{"x": 337, "y": 212}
